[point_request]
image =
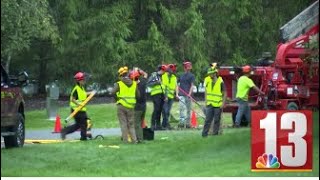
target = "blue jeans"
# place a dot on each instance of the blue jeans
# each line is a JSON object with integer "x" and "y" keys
{"x": 243, "y": 110}
{"x": 166, "y": 113}
{"x": 185, "y": 109}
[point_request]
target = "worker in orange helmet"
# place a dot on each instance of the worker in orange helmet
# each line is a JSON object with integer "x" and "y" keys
{"x": 140, "y": 77}
{"x": 126, "y": 93}
{"x": 184, "y": 92}
{"x": 243, "y": 86}
{"x": 78, "y": 95}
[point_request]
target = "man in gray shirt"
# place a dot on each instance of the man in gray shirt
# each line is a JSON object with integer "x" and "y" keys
{"x": 184, "y": 91}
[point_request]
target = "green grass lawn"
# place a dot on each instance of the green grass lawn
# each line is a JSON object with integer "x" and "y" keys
{"x": 102, "y": 115}
{"x": 172, "y": 153}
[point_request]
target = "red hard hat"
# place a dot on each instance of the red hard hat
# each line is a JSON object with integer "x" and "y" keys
{"x": 246, "y": 69}
{"x": 162, "y": 67}
{"x": 187, "y": 65}
{"x": 173, "y": 67}
{"x": 134, "y": 75}
{"x": 79, "y": 76}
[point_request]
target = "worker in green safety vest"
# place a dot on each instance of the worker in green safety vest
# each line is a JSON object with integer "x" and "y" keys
{"x": 126, "y": 93}
{"x": 215, "y": 97}
{"x": 169, "y": 80}
{"x": 77, "y": 96}
{"x": 157, "y": 95}
{"x": 243, "y": 87}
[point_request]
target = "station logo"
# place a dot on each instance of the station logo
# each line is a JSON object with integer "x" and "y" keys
{"x": 281, "y": 140}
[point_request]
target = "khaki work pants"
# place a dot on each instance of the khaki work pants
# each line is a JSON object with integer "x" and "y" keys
{"x": 126, "y": 120}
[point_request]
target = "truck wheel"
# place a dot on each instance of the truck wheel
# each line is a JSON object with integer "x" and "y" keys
{"x": 16, "y": 140}
{"x": 292, "y": 106}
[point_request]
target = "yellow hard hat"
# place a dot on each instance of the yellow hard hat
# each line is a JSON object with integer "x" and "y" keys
{"x": 123, "y": 70}
{"x": 213, "y": 65}
{"x": 212, "y": 70}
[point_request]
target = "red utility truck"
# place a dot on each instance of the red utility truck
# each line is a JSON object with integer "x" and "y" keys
{"x": 291, "y": 81}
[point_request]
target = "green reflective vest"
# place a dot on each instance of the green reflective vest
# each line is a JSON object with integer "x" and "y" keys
{"x": 214, "y": 94}
{"x": 82, "y": 95}
{"x": 127, "y": 95}
{"x": 170, "y": 84}
{"x": 157, "y": 89}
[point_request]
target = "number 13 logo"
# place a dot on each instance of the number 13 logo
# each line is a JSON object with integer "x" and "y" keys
{"x": 281, "y": 141}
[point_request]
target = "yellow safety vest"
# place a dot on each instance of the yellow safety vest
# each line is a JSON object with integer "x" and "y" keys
{"x": 127, "y": 95}
{"x": 157, "y": 89}
{"x": 82, "y": 95}
{"x": 214, "y": 94}
{"x": 169, "y": 84}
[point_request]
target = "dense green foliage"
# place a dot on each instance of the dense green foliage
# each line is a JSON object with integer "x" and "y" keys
{"x": 52, "y": 39}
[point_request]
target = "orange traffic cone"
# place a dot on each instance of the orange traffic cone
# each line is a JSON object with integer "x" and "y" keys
{"x": 143, "y": 123}
{"x": 57, "y": 126}
{"x": 194, "y": 122}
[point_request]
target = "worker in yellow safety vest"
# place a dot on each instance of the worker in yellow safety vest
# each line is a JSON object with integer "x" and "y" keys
{"x": 140, "y": 108}
{"x": 215, "y": 97}
{"x": 157, "y": 94}
{"x": 126, "y": 93}
{"x": 78, "y": 95}
{"x": 243, "y": 87}
{"x": 169, "y": 80}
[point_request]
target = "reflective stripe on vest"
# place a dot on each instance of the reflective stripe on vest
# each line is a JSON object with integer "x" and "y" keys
{"x": 82, "y": 95}
{"x": 127, "y": 95}
{"x": 214, "y": 95}
{"x": 169, "y": 84}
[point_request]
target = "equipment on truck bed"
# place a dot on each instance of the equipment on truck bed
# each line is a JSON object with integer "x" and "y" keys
{"x": 291, "y": 81}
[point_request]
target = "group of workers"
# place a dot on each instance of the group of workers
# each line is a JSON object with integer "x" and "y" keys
{"x": 165, "y": 86}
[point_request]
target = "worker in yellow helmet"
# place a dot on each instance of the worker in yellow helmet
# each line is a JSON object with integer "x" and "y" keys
{"x": 215, "y": 97}
{"x": 126, "y": 93}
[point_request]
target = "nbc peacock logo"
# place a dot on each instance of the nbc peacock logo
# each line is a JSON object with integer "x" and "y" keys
{"x": 267, "y": 161}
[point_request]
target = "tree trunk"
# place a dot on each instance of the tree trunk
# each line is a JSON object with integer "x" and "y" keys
{"x": 7, "y": 66}
{"x": 42, "y": 75}
{"x": 43, "y": 66}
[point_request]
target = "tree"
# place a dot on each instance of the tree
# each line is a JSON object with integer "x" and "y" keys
{"x": 21, "y": 21}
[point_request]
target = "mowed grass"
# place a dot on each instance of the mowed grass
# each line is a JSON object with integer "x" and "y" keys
{"x": 102, "y": 116}
{"x": 172, "y": 153}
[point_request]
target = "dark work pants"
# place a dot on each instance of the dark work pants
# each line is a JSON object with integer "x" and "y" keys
{"x": 212, "y": 113}
{"x": 166, "y": 113}
{"x": 80, "y": 122}
{"x": 158, "y": 101}
{"x": 139, "y": 117}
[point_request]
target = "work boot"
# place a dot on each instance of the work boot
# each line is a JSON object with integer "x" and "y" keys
{"x": 89, "y": 135}
{"x": 236, "y": 126}
{"x": 63, "y": 134}
{"x": 180, "y": 125}
{"x": 158, "y": 128}
{"x": 83, "y": 138}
